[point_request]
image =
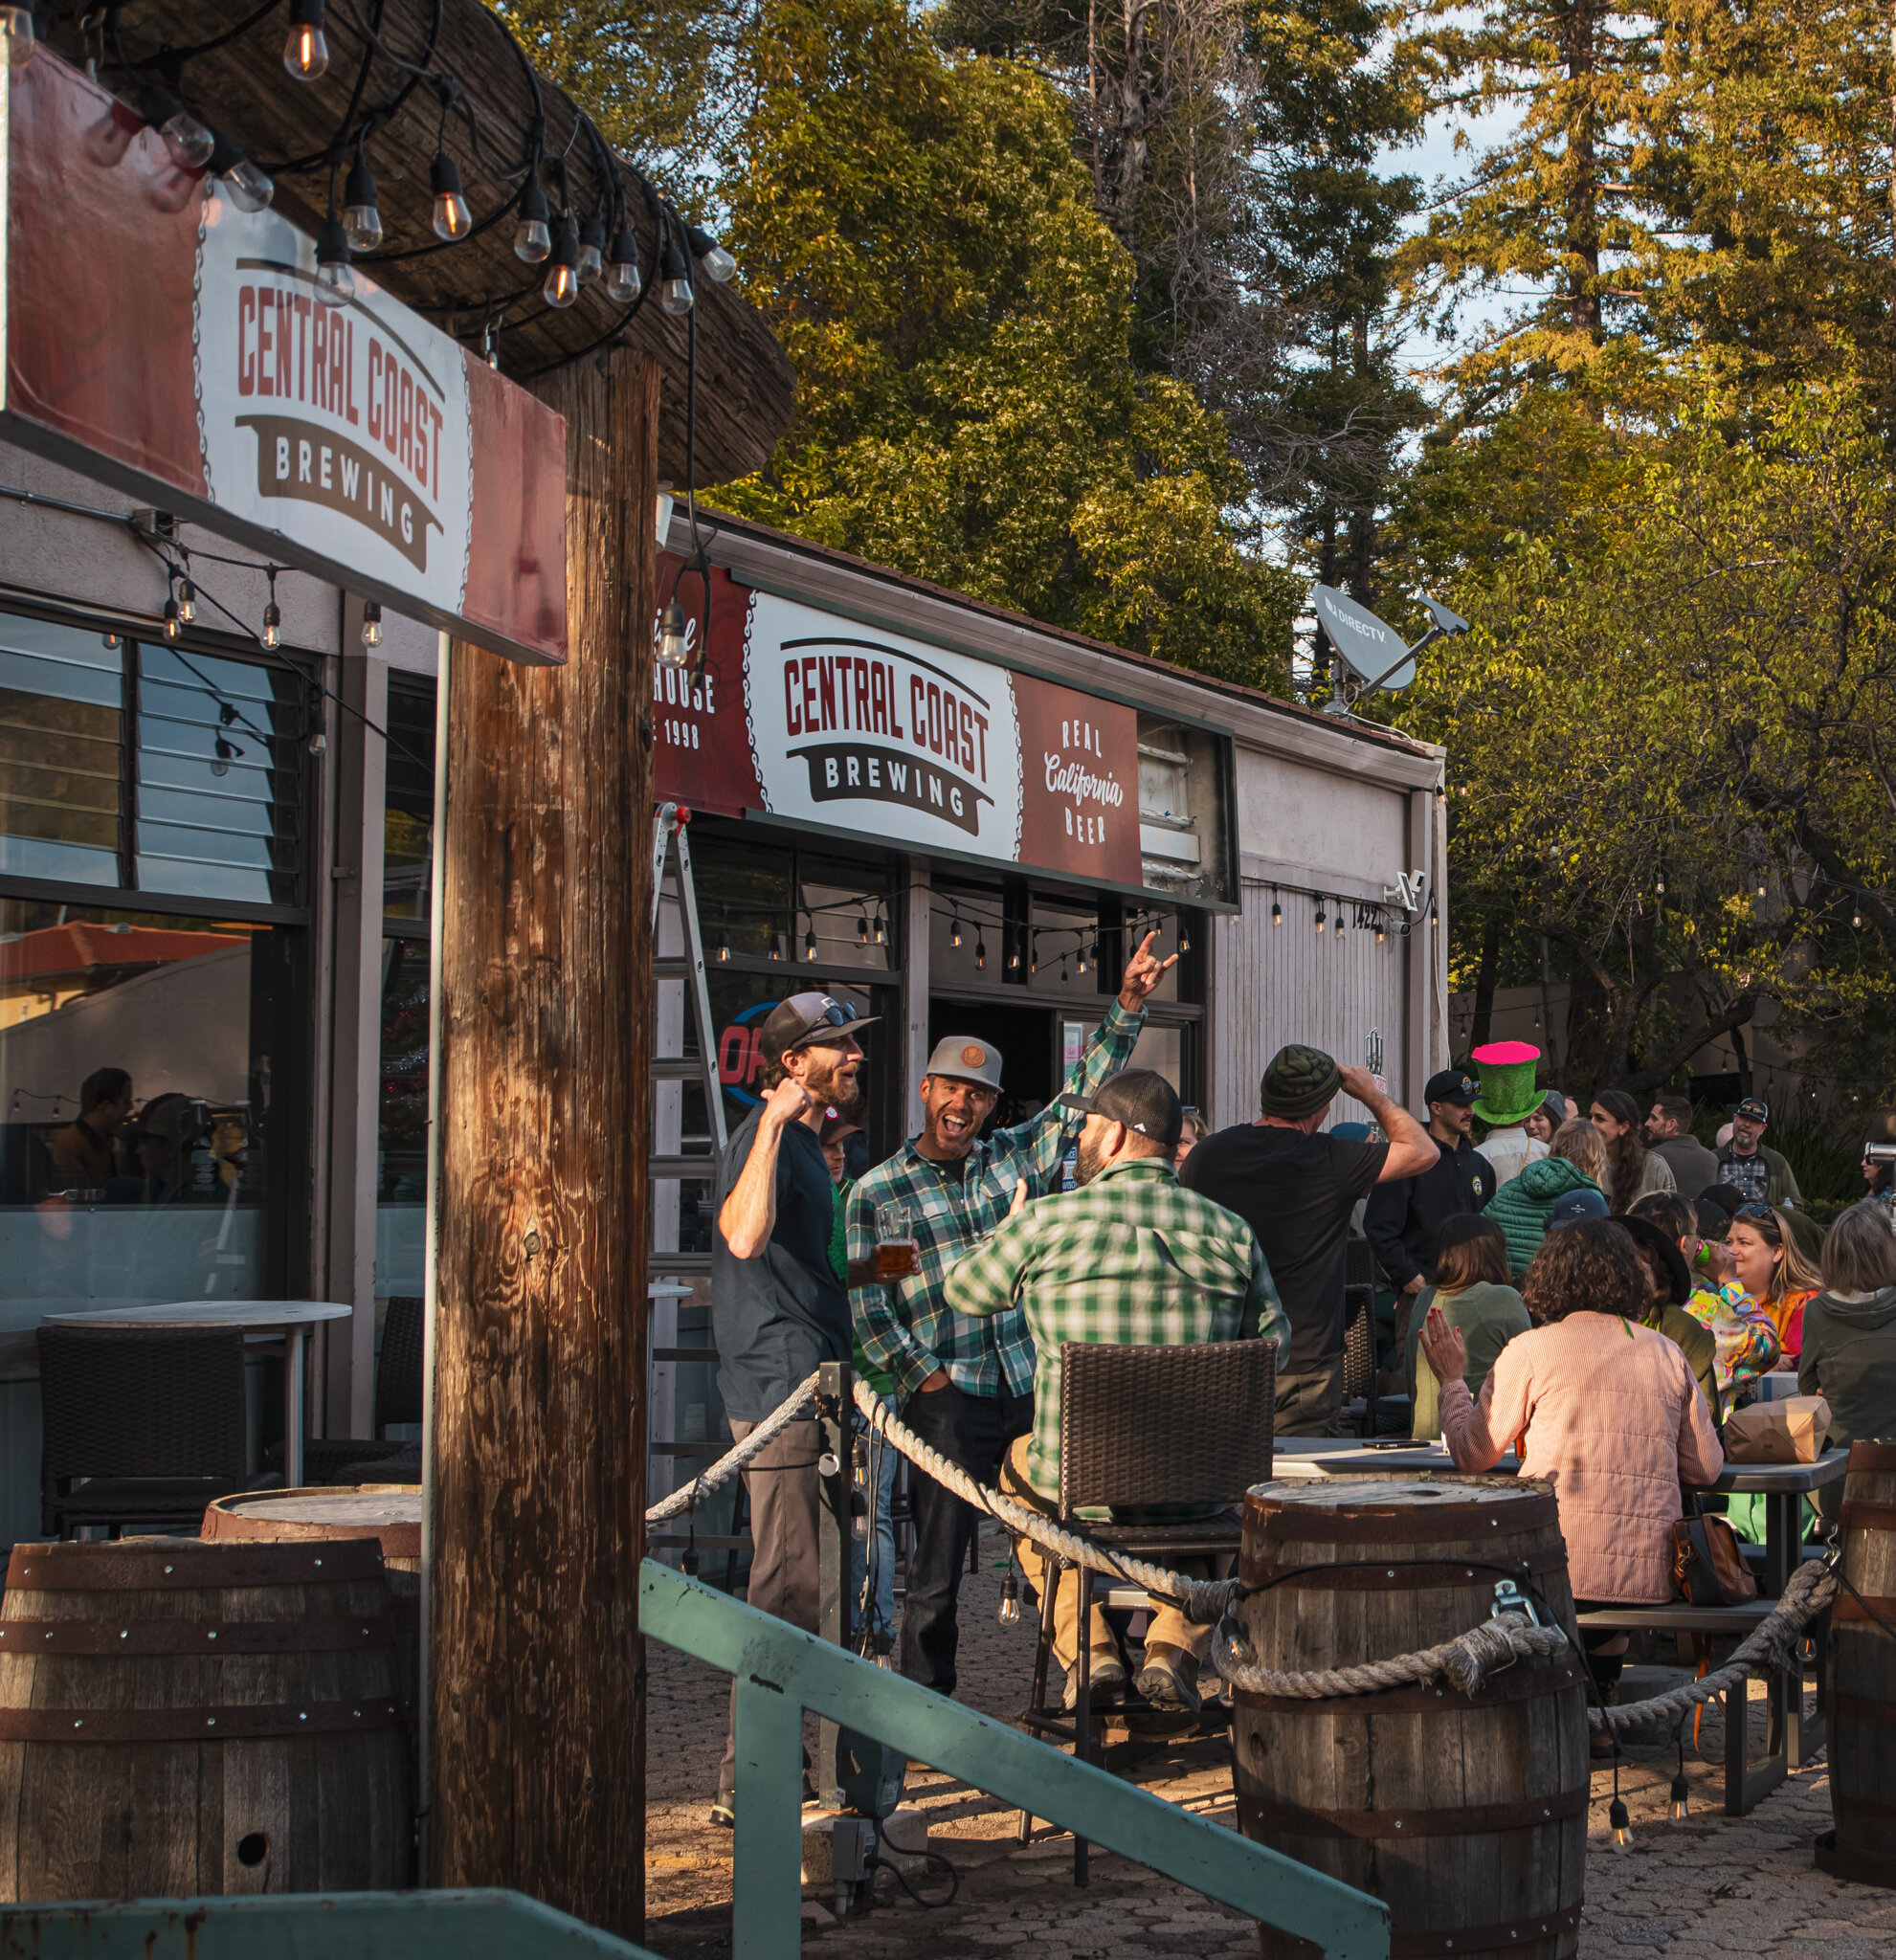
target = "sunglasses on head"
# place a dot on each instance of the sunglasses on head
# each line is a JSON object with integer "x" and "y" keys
{"x": 1754, "y": 1214}
{"x": 837, "y": 1014}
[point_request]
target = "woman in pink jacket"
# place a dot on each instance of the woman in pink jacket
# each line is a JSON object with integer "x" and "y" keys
{"x": 1605, "y": 1410}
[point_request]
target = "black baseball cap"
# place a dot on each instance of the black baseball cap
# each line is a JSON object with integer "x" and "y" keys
{"x": 1139, "y": 1097}
{"x": 1756, "y": 1108}
{"x": 1451, "y": 1085}
{"x": 806, "y": 1020}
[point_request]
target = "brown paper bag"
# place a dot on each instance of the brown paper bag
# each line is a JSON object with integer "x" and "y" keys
{"x": 1792, "y": 1430}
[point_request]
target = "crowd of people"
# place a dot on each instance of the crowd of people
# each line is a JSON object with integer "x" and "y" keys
{"x": 1598, "y": 1289}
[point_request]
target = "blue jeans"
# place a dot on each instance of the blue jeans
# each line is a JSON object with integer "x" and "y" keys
{"x": 873, "y": 1611}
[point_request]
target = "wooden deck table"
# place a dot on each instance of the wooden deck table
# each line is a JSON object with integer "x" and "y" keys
{"x": 292, "y": 1319}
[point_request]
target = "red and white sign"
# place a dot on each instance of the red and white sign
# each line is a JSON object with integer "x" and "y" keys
{"x": 803, "y": 715}
{"x": 162, "y": 340}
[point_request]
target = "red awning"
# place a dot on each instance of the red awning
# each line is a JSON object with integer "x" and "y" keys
{"x": 84, "y": 948}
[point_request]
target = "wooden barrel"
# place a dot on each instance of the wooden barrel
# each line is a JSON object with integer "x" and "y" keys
{"x": 1863, "y": 1677}
{"x": 1467, "y": 1816}
{"x": 390, "y": 1513}
{"x": 178, "y": 1718}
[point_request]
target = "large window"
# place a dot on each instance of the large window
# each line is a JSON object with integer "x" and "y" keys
{"x": 149, "y": 767}
{"x": 154, "y": 1016}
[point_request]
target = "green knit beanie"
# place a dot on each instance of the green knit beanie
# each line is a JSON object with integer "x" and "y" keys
{"x": 1299, "y": 1081}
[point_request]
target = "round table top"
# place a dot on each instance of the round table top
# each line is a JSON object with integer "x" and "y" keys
{"x": 256, "y": 1314}
{"x": 388, "y": 1504}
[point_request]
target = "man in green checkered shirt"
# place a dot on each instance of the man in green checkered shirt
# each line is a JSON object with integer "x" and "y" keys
{"x": 1133, "y": 1260}
{"x": 964, "y": 1385}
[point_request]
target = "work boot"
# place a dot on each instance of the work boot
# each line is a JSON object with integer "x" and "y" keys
{"x": 1168, "y": 1679}
{"x": 723, "y": 1809}
{"x": 1105, "y": 1684}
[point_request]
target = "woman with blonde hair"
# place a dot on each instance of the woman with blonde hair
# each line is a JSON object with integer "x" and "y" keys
{"x": 1768, "y": 1263}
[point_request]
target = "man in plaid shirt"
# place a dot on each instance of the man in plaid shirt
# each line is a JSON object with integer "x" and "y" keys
{"x": 1130, "y": 1260}
{"x": 965, "y": 1384}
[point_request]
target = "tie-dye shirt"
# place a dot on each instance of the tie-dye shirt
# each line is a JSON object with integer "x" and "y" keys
{"x": 1749, "y": 1343}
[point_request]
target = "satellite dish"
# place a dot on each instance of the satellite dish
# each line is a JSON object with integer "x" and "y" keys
{"x": 1374, "y": 651}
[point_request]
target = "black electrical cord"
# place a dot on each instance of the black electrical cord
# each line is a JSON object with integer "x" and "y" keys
{"x": 378, "y": 117}
{"x": 875, "y": 1862}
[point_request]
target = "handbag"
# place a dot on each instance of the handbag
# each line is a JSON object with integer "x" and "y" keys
{"x": 1707, "y": 1567}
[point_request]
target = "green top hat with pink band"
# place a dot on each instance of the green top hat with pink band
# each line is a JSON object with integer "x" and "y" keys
{"x": 1508, "y": 1094}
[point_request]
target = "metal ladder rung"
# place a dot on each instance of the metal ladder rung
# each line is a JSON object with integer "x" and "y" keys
{"x": 673, "y": 1169}
{"x": 678, "y": 1068}
{"x": 684, "y": 1354}
{"x": 672, "y": 967}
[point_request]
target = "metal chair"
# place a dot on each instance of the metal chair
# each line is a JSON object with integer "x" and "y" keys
{"x": 142, "y": 1427}
{"x": 1149, "y": 1427}
{"x": 398, "y": 1394}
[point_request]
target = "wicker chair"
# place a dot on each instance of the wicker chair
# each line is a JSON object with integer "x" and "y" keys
{"x": 143, "y": 1427}
{"x": 398, "y": 1386}
{"x": 1149, "y": 1426}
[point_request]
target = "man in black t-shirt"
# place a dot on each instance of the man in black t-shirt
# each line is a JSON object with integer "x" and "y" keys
{"x": 778, "y": 1307}
{"x": 1296, "y": 1188}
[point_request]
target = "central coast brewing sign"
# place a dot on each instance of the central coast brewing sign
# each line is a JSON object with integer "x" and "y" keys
{"x": 819, "y": 719}
{"x": 160, "y": 340}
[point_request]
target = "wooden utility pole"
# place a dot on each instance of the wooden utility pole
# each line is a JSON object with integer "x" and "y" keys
{"x": 537, "y": 1752}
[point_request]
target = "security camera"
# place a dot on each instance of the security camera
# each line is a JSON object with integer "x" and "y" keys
{"x": 1442, "y": 618}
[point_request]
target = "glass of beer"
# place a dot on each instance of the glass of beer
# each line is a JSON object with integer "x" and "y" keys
{"x": 895, "y": 1243}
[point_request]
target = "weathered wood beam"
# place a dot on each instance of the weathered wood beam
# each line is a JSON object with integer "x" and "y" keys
{"x": 538, "y": 1739}
{"x": 745, "y": 380}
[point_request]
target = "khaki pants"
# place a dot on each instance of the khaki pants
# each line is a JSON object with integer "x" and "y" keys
{"x": 1168, "y": 1626}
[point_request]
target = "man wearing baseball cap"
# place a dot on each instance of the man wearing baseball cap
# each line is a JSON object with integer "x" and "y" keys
{"x": 1404, "y": 1214}
{"x": 778, "y": 1307}
{"x": 966, "y": 1382}
{"x": 1128, "y": 1259}
{"x": 1296, "y": 1188}
{"x": 1758, "y": 1173}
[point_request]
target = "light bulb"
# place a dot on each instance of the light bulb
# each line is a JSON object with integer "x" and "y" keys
{"x": 187, "y": 139}
{"x": 306, "y": 51}
{"x": 319, "y": 738}
{"x": 675, "y": 293}
{"x": 622, "y": 276}
{"x": 1276, "y": 913}
{"x": 862, "y": 930}
{"x": 452, "y": 217}
{"x": 362, "y": 214}
{"x": 335, "y": 282}
{"x": 718, "y": 264}
{"x": 1857, "y": 917}
{"x": 1184, "y": 940}
{"x": 1231, "y": 1644}
{"x": 1620, "y": 1818}
{"x": 372, "y": 623}
{"x": 251, "y": 188}
{"x": 810, "y": 944}
{"x": 171, "y": 627}
{"x": 674, "y": 647}
{"x": 562, "y": 284}
{"x": 533, "y": 240}
{"x": 1321, "y": 922}
{"x": 724, "y": 949}
{"x": 980, "y": 957}
{"x": 592, "y": 248}
{"x": 16, "y": 29}
{"x": 1080, "y": 961}
{"x": 187, "y": 601}
{"x": 272, "y": 625}
{"x": 1681, "y": 1805}
{"x": 955, "y": 932}
{"x": 1008, "y": 1613}
{"x": 1337, "y": 923}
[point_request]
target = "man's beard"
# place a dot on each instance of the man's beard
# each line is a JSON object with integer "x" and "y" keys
{"x": 843, "y": 1093}
{"x": 1090, "y": 1161}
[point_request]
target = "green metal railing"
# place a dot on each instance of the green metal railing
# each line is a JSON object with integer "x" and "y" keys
{"x": 781, "y": 1671}
{"x": 308, "y": 1925}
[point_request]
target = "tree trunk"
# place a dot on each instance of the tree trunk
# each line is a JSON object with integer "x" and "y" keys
{"x": 537, "y": 1692}
{"x": 1582, "y": 36}
{"x": 1483, "y": 1021}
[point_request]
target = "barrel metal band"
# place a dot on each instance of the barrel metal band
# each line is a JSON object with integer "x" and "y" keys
{"x": 1479, "y": 1938}
{"x": 1861, "y": 1709}
{"x": 1854, "y": 1804}
{"x": 1848, "y": 1607}
{"x": 1375, "y": 1575}
{"x": 271, "y": 1722}
{"x": 1465, "y": 1820}
{"x": 1470, "y": 1523}
{"x": 1869, "y": 1453}
{"x": 196, "y": 1566}
{"x": 1524, "y": 1683}
{"x": 1867, "y": 1516}
{"x": 211, "y": 1638}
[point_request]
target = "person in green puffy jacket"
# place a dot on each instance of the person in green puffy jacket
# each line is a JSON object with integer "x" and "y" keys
{"x": 1524, "y": 1204}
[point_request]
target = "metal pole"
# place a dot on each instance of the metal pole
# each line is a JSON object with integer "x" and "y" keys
{"x": 835, "y": 1393}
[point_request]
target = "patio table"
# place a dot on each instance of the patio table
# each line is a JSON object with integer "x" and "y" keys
{"x": 292, "y": 1319}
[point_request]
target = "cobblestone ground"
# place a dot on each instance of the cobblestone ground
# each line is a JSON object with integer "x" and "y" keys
{"x": 1708, "y": 1886}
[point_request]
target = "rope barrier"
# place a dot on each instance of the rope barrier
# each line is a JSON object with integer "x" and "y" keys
{"x": 1465, "y": 1661}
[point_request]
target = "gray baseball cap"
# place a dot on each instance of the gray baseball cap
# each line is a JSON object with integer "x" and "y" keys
{"x": 967, "y": 1061}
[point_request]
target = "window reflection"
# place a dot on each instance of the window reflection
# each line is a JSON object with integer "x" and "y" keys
{"x": 136, "y": 1060}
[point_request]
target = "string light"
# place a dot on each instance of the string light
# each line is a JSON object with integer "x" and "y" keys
{"x": 171, "y": 623}
{"x": 1857, "y": 917}
{"x": 248, "y": 188}
{"x": 1184, "y": 937}
{"x": 1008, "y": 1613}
{"x": 335, "y": 282}
{"x": 862, "y": 929}
{"x": 362, "y": 214}
{"x": 880, "y": 935}
{"x": 623, "y": 282}
{"x": 372, "y": 622}
{"x": 980, "y": 956}
{"x": 809, "y": 941}
{"x": 954, "y": 931}
{"x": 562, "y": 285}
{"x": 592, "y": 248}
{"x": 723, "y": 947}
{"x": 1319, "y": 917}
{"x": 1080, "y": 961}
{"x": 319, "y": 725}
{"x": 675, "y": 293}
{"x": 223, "y": 749}
{"x": 272, "y": 635}
{"x": 452, "y": 217}
{"x": 306, "y": 52}
{"x": 1277, "y": 909}
{"x": 532, "y": 239}
{"x": 185, "y": 138}
{"x": 1616, "y": 1813}
{"x": 1682, "y": 1791}
{"x": 1337, "y": 922}
{"x": 674, "y": 645}
{"x": 1380, "y": 928}
{"x": 187, "y": 601}
{"x": 718, "y": 264}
